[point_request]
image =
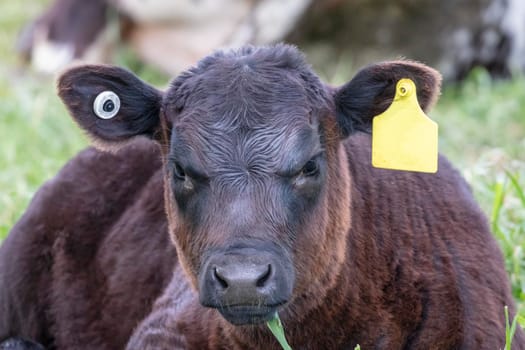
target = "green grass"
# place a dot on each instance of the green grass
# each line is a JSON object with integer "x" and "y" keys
{"x": 480, "y": 116}
{"x": 35, "y": 137}
{"x": 36, "y": 140}
{"x": 482, "y": 130}
{"x": 510, "y": 329}
{"x": 276, "y": 327}
{"x": 507, "y": 218}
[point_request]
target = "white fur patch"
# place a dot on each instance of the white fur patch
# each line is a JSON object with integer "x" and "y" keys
{"x": 49, "y": 57}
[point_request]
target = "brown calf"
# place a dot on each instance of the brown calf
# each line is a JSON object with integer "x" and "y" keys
{"x": 272, "y": 206}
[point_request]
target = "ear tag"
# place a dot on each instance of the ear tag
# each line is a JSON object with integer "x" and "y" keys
{"x": 106, "y": 105}
{"x": 403, "y": 137}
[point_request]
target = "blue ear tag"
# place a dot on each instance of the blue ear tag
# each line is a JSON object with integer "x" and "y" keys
{"x": 106, "y": 105}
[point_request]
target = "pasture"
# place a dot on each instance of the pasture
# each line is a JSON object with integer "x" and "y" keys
{"x": 482, "y": 130}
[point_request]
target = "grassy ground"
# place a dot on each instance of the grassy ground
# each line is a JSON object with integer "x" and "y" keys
{"x": 482, "y": 129}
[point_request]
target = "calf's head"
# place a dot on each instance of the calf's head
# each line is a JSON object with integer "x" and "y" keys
{"x": 256, "y": 175}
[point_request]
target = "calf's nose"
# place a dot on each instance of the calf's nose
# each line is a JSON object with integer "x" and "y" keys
{"x": 243, "y": 284}
{"x": 246, "y": 285}
{"x": 235, "y": 284}
{"x": 245, "y": 277}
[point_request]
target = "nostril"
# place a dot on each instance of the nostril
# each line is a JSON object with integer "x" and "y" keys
{"x": 265, "y": 277}
{"x": 219, "y": 278}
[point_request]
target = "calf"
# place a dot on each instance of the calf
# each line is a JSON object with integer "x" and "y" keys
{"x": 271, "y": 204}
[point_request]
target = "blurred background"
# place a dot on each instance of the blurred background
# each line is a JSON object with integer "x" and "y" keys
{"x": 478, "y": 45}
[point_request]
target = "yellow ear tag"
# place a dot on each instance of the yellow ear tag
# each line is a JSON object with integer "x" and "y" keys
{"x": 403, "y": 137}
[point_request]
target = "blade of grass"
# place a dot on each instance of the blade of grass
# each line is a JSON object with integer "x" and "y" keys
{"x": 277, "y": 329}
{"x": 517, "y": 187}
{"x": 509, "y": 329}
{"x": 497, "y": 204}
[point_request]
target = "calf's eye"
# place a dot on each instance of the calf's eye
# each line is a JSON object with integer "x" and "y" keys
{"x": 308, "y": 174}
{"x": 311, "y": 168}
{"x": 178, "y": 172}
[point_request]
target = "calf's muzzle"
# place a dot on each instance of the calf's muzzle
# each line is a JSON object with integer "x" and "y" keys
{"x": 246, "y": 285}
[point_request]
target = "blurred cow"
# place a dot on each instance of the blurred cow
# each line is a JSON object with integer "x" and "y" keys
{"x": 453, "y": 35}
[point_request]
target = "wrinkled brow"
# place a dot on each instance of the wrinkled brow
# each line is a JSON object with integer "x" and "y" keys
{"x": 282, "y": 146}
{"x": 303, "y": 144}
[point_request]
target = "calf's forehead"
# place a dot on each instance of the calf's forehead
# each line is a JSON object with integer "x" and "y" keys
{"x": 247, "y": 104}
{"x": 268, "y": 80}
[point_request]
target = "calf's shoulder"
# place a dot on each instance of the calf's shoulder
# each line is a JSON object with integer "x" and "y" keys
{"x": 74, "y": 212}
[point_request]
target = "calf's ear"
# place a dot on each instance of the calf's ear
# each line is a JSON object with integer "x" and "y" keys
{"x": 372, "y": 90}
{"x": 110, "y": 103}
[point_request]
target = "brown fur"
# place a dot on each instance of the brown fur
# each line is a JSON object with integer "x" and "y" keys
{"x": 381, "y": 258}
